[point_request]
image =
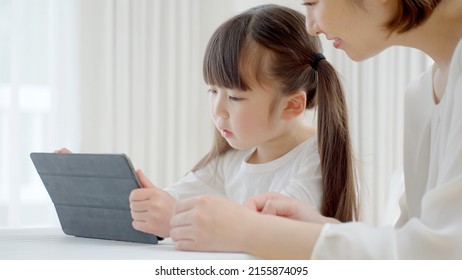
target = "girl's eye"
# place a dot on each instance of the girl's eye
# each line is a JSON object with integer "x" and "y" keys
{"x": 231, "y": 98}
{"x": 235, "y": 99}
{"x": 309, "y": 4}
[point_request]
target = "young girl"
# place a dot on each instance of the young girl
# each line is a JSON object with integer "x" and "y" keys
{"x": 261, "y": 69}
{"x": 430, "y": 226}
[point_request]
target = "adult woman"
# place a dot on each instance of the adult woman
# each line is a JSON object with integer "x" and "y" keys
{"x": 430, "y": 225}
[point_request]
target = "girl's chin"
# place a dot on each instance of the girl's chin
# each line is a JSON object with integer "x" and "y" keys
{"x": 235, "y": 145}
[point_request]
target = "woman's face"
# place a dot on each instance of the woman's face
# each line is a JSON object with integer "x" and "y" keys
{"x": 355, "y": 26}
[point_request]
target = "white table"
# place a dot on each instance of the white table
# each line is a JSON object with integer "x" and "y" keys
{"x": 53, "y": 244}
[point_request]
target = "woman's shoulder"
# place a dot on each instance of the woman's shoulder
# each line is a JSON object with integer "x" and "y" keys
{"x": 455, "y": 71}
{"x": 454, "y": 82}
{"x": 457, "y": 57}
{"x": 420, "y": 89}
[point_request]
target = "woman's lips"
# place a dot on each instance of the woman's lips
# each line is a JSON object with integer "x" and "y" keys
{"x": 337, "y": 43}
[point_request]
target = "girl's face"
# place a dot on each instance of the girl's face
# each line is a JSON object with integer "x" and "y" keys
{"x": 243, "y": 118}
{"x": 355, "y": 26}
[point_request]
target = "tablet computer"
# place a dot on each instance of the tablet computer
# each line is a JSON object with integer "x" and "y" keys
{"x": 91, "y": 194}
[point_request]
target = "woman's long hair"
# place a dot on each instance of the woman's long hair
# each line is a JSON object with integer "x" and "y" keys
{"x": 270, "y": 43}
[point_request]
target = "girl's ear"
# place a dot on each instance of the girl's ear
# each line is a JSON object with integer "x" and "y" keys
{"x": 295, "y": 105}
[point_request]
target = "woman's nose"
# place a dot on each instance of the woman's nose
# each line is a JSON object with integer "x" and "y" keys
{"x": 311, "y": 26}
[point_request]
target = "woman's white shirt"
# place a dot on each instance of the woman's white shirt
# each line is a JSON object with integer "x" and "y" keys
{"x": 430, "y": 225}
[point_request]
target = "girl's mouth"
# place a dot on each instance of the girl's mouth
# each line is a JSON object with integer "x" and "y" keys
{"x": 226, "y": 133}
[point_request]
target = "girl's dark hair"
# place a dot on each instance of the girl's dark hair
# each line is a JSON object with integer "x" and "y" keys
{"x": 412, "y": 13}
{"x": 273, "y": 40}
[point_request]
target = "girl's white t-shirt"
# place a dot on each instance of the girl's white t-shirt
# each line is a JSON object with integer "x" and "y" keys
{"x": 430, "y": 225}
{"x": 296, "y": 174}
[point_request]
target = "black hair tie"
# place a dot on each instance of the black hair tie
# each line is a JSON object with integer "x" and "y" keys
{"x": 318, "y": 57}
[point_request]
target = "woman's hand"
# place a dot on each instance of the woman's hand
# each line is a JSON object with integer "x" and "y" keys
{"x": 151, "y": 208}
{"x": 210, "y": 223}
{"x": 288, "y": 207}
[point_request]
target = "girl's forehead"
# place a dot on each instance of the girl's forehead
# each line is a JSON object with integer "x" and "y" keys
{"x": 255, "y": 66}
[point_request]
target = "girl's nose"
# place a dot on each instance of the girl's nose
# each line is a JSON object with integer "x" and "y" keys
{"x": 219, "y": 107}
{"x": 223, "y": 114}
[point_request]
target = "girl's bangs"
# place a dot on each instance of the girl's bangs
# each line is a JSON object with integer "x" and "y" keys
{"x": 235, "y": 67}
{"x": 221, "y": 61}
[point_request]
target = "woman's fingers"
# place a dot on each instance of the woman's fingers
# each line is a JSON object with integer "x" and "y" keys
{"x": 190, "y": 203}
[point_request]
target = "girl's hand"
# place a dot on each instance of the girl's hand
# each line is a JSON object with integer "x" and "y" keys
{"x": 63, "y": 151}
{"x": 288, "y": 207}
{"x": 210, "y": 223}
{"x": 151, "y": 208}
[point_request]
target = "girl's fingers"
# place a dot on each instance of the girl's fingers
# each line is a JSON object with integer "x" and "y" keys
{"x": 140, "y": 195}
{"x": 145, "y": 182}
{"x": 140, "y": 205}
{"x": 143, "y": 226}
{"x": 63, "y": 151}
{"x": 278, "y": 207}
{"x": 258, "y": 202}
{"x": 139, "y": 216}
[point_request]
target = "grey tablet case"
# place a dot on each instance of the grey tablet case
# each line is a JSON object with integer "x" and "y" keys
{"x": 90, "y": 193}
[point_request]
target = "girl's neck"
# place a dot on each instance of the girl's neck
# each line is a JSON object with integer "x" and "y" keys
{"x": 281, "y": 145}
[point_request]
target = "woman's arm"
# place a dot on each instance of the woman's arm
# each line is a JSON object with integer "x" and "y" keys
{"x": 211, "y": 223}
{"x": 288, "y": 207}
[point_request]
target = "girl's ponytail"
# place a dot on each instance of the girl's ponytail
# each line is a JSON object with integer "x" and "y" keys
{"x": 335, "y": 149}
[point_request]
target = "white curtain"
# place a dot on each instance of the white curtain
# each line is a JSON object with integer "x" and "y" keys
{"x": 127, "y": 78}
{"x": 141, "y": 84}
{"x": 39, "y": 105}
